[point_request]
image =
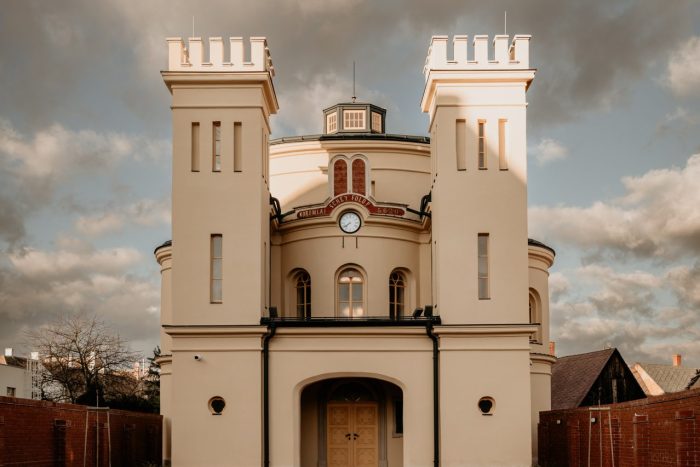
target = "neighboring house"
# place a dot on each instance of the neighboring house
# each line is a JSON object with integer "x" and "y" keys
{"x": 16, "y": 376}
{"x": 328, "y": 299}
{"x": 657, "y": 379}
{"x": 593, "y": 378}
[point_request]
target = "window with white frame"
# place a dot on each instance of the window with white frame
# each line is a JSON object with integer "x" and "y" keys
{"x": 11, "y": 392}
{"x": 397, "y": 294}
{"x": 332, "y": 123}
{"x": 350, "y": 294}
{"x": 354, "y": 120}
{"x": 376, "y": 122}
{"x": 483, "y": 265}
{"x": 302, "y": 284}
{"x": 216, "y": 268}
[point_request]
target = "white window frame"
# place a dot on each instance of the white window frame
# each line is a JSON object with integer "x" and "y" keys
{"x": 481, "y": 145}
{"x": 361, "y": 284}
{"x": 376, "y": 122}
{"x": 216, "y": 147}
{"x": 332, "y": 122}
{"x": 354, "y": 119}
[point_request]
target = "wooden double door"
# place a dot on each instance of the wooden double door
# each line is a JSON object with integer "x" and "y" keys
{"x": 353, "y": 433}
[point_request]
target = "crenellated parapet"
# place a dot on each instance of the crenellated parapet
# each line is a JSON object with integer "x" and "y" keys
{"x": 191, "y": 58}
{"x": 504, "y": 55}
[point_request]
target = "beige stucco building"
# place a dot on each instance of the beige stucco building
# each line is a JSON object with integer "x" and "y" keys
{"x": 353, "y": 298}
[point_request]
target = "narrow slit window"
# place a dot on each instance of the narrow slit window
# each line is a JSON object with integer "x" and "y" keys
{"x": 216, "y": 149}
{"x": 483, "y": 266}
{"x": 195, "y": 146}
{"x": 461, "y": 133}
{"x": 216, "y": 268}
{"x": 237, "y": 147}
{"x": 482, "y": 144}
{"x": 503, "y": 144}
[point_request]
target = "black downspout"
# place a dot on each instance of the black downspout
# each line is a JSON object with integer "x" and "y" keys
{"x": 436, "y": 395}
{"x": 266, "y": 397}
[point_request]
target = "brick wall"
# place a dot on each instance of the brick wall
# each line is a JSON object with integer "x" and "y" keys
{"x": 40, "y": 433}
{"x": 656, "y": 431}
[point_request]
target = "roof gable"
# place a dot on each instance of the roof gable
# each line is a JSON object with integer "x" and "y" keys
{"x": 574, "y": 375}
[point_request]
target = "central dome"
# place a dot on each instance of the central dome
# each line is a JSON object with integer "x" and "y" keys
{"x": 354, "y": 117}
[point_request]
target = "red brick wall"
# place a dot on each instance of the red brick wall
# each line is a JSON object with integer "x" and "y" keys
{"x": 41, "y": 433}
{"x": 657, "y": 431}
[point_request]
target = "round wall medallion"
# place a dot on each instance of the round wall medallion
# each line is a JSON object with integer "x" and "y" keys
{"x": 350, "y": 222}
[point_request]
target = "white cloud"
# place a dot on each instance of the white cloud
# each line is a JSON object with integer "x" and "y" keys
{"x": 683, "y": 71}
{"x": 145, "y": 212}
{"x": 658, "y": 217}
{"x": 66, "y": 263}
{"x": 549, "y": 150}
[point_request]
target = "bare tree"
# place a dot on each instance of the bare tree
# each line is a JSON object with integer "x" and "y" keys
{"x": 81, "y": 359}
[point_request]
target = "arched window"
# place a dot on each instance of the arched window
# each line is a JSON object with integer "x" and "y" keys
{"x": 302, "y": 284}
{"x": 358, "y": 177}
{"x": 350, "y": 294}
{"x": 535, "y": 312}
{"x": 340, "y": 177}
{"x": 397, "y": 294}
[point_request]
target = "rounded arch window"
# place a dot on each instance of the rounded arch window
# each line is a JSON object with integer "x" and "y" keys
{"x": 535, "y": 315}
{"x": 358, "y": 176}
{"x": 217, "y": 405}
{"x": 340, "y": 177}
{"x": 351, "y": 294}
{"x": 397, "y": 294}
{"x": 302, "y": 286}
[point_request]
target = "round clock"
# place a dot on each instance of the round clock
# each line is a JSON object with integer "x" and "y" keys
{"x": 350, "y": 222}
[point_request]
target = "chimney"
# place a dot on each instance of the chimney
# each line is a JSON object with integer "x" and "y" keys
{"x": 552, "y": 348}
{"x": 8, "y": 351}
{"x": 677, "y": 359}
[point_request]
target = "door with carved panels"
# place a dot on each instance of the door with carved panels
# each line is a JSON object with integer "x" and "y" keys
{"x": 353, "y": 432}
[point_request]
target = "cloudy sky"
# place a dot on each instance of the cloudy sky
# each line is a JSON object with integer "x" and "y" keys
{"x": 614, "y": 146}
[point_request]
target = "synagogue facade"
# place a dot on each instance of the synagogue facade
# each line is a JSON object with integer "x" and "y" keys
{"x": 355, "y": 297}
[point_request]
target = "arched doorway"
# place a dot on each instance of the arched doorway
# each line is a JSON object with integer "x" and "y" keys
{"x": 352, "y": 422}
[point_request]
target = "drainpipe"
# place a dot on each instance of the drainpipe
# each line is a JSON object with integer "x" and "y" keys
{"x": 436, "y": 394}
{"x": 266, "y": 397}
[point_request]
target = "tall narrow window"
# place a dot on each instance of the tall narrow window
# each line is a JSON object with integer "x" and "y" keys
{"x": 503, "y": 144}
{"x": 237, "y": 147}
{"x": 216, "y": 149}
{"x": 482, "y": 144}
{"x": 195, "y": 146}
{"x": 303, "y": 289}
{"x": 397, "y": 294}
{"x": 358, "y": 177}
{"x": 460, "y": 145}
{"x": 216, "y": 268}
{"x": 340, "y": 177}
{"x": 350, "y": 294}
{"x": 483, "y": 251}
{"x": 535, "y": 315}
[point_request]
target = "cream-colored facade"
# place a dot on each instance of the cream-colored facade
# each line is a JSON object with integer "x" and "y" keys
{"x": 353, "y": 298}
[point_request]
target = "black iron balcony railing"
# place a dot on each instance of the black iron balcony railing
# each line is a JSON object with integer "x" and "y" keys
{"x": 364, "y": 321}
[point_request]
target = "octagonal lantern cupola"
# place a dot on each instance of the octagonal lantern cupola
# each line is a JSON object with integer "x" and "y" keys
{"x": 354, "y": 117}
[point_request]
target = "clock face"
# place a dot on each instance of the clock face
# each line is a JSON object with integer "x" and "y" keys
{"x": 350, "y": 222}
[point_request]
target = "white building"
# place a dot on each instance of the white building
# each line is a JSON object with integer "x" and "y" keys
{"x": 354, "y": 297}
{"x": 19, "y": 375}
